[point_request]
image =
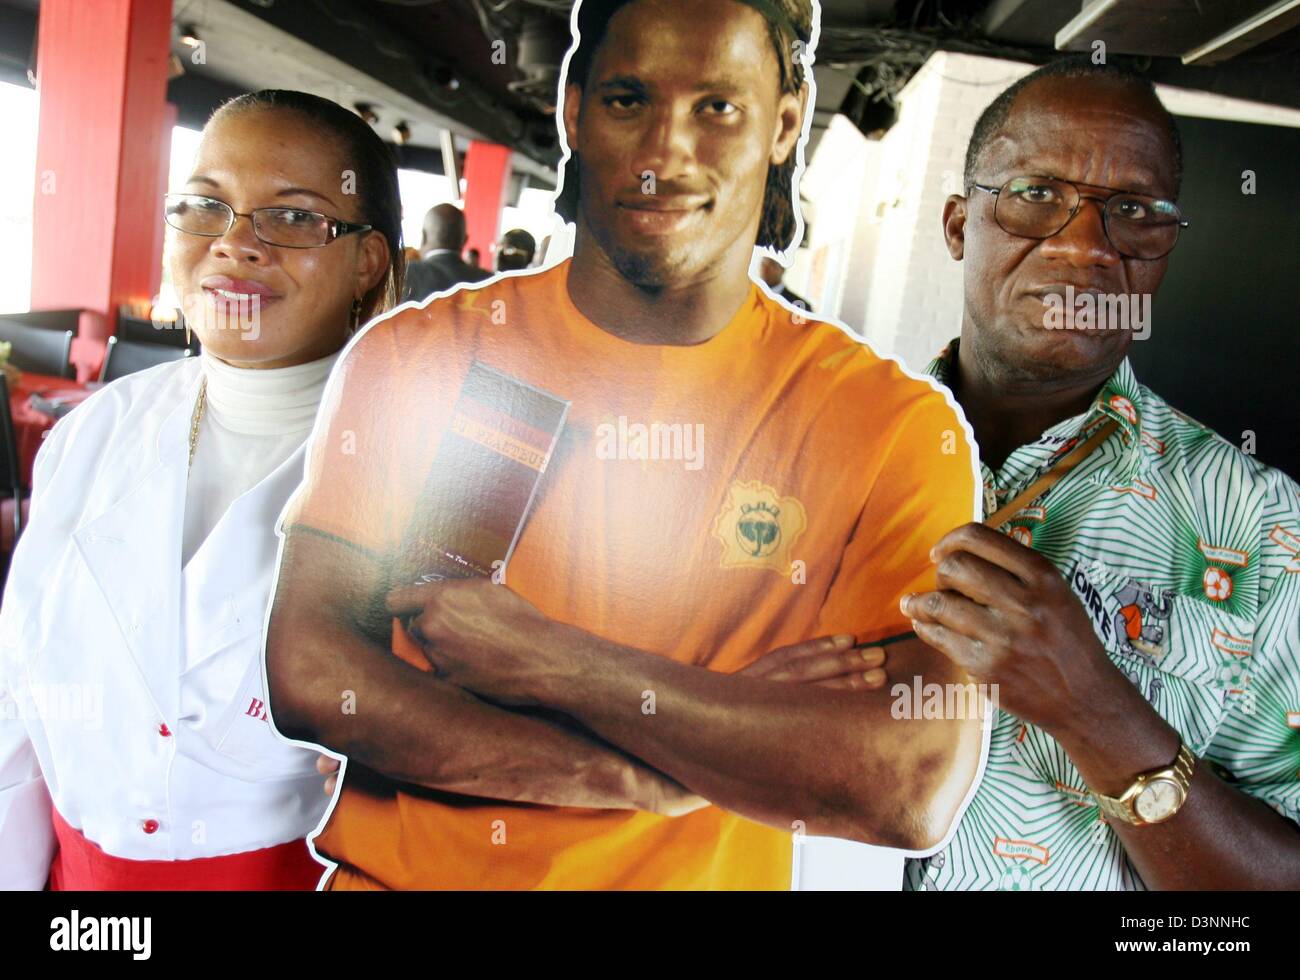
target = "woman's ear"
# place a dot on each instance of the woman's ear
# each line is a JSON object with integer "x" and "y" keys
{"x": 372, "y": 261}
{"x": 789, "y": 123}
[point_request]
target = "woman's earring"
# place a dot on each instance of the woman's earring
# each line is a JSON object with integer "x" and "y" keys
{"x": 356, "y": 314}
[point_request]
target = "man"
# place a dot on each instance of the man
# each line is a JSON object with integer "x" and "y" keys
{"x": 515, "y": 250}
{"x": 612, "y": 681}
{"x": 1141, "y": 618}
{"x": 440, "y": 266}
{"x": 773, "y": 273}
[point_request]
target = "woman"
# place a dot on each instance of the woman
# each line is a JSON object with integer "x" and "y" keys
{"x": 131, "y": 693}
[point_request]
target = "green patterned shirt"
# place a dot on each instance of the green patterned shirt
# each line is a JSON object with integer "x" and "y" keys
{"x": 1186, "y": 553}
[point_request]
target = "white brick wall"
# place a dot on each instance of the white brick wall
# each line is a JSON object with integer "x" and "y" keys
{"x": 897, "y": 286}
{"x": 900, "y": 289}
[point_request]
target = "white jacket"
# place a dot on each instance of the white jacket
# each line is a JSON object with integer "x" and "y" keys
{"x": 130, "y": 692}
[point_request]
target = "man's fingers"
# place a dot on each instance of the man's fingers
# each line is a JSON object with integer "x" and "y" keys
{"x": 953, "y": 625}
{"x": 950, "y": 643}
{"x": 994, "y": 547}
{"x": 950, "y": 609}
{"x": 861, "y": 680}
{"x": 978, "y": 579}
{"x": 824, "y": 666}
{"x": 330, "y": 785}
{"x": 782, "y": 656}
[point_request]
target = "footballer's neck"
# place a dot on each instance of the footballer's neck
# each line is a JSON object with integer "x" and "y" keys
{"x": 673, "y": 315}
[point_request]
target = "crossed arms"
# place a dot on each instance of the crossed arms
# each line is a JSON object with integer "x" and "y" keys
{"x": 827, "y": 759}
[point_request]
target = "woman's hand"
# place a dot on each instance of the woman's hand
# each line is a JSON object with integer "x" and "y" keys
{"x": 328, "y": 767}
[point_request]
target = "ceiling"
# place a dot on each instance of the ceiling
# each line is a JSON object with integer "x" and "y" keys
{"x": 429, "y": 64}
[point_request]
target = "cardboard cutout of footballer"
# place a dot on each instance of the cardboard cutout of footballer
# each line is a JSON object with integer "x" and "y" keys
{"x": 591, "y": 566}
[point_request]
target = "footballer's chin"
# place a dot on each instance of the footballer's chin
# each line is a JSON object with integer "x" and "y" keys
{"x": 644, "y": 268}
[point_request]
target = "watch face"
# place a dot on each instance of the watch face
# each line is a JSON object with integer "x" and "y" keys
{"x": 1158, "y": 800}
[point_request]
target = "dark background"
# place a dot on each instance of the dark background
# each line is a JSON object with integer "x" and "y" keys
{"x": 1224, "y": 344}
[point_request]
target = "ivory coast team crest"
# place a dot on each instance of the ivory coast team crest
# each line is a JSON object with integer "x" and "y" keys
{"x": 758, "y": 527}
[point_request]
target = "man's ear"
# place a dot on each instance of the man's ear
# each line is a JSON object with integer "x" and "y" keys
{"x": 954, "y": 225}
{"x": 572, "y": 110}
{"x": 789, "y": 124}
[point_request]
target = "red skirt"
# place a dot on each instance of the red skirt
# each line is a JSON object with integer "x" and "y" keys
{"x": 80, "y": 865}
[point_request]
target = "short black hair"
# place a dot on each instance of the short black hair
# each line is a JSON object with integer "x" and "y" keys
{"x": 520, "y": 238}
{"x": 793, "y": 22}
{"x": 993, "y": 118}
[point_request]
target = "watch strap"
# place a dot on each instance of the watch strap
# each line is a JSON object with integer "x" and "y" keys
{"x": 1123, "y": 807}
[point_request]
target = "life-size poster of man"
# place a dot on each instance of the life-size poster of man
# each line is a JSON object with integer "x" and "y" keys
{"x": 618, "y": 696}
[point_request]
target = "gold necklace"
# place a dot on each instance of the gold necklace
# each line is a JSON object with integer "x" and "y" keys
{"x": 197, "y": 417}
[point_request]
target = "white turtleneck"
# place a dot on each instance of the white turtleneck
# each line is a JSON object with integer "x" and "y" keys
{"x": 253, "y": 421}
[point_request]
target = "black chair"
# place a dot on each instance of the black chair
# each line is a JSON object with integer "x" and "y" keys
{"x": 125, "y": 357}
{"x": 138, "y": 330}
{"x": 59, "y": 320}
{"x": 35, "y": 348}
{"x": 10, "y": 479}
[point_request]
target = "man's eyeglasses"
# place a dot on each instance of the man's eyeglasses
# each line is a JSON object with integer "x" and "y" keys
{"x": 286, "y": 227}
{"x": 1138, "y": 226}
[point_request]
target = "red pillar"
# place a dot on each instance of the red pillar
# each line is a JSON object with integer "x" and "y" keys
{"x": 102, "y": 79}
{"x": 487, "y": 167}
{"x": 170, "y": 114}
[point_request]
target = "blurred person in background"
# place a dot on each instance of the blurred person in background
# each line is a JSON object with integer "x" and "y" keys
{"x": 440, "y": 266}
{"x": 515, "y": 250}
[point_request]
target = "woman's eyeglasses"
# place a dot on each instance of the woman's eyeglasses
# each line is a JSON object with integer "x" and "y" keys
{"x": 1138, "y": 226}
{"x": 285, "y": 227}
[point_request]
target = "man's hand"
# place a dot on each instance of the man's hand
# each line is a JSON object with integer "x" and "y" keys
{"x": 480, "y": 636}
{"x": 1005, "y": 615}
{"x": 486, "y": 639}
{"x": 828, "y": 661}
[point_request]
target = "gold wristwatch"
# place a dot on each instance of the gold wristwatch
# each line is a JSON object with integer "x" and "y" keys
{"x": 1155, "y": 796}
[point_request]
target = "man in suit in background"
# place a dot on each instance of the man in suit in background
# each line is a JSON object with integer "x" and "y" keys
{"x": 440, "y": 266}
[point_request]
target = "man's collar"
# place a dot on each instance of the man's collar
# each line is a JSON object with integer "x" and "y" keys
{"x": 1120, "y": 398}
